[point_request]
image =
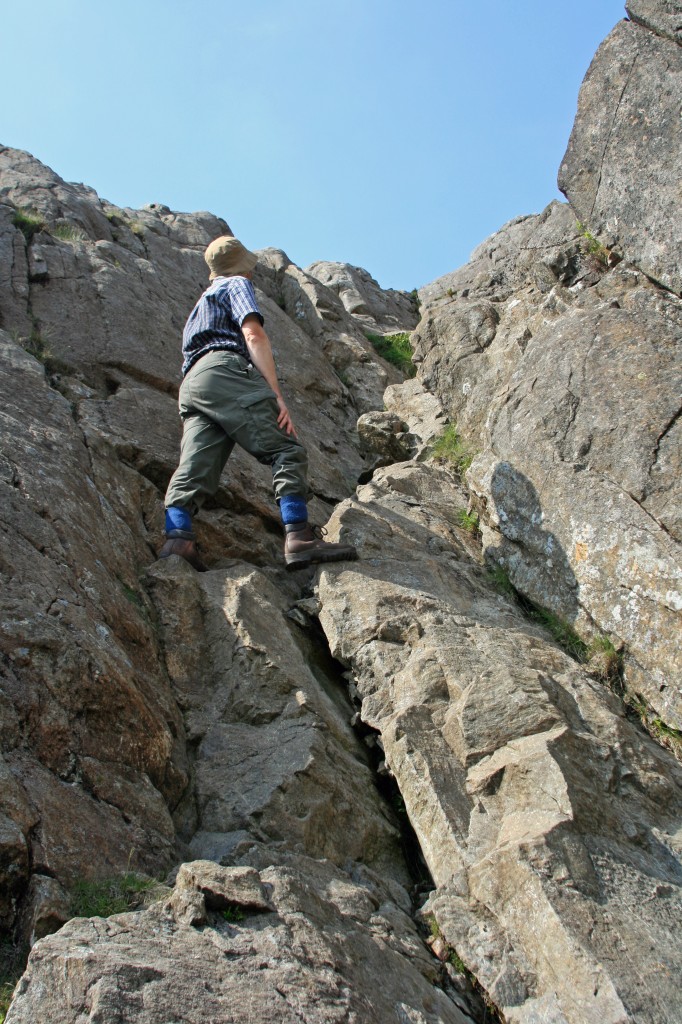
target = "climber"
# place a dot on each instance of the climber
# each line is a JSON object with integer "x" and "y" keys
{"x": 230, "y": 394}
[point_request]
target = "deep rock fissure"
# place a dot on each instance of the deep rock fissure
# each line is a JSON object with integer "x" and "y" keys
{"x": 384, "y": 780}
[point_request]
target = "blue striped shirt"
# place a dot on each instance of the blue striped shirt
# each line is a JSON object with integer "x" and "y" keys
{"x": 216, "y": 320}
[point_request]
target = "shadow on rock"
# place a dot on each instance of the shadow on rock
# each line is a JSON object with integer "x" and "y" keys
{"x": 532, "y": 557}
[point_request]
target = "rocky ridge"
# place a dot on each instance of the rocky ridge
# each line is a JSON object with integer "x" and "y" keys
{"x": 556, "y": 352}
{"x": 243, "y": 729}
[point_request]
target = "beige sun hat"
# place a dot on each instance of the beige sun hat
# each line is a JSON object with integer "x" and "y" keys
{"x": 226, "y": 257}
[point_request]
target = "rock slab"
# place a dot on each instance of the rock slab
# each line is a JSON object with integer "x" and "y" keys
{"x": 326, "y": 948}
{"x": 622, "y": 170}
{"x": 533, "y": 798}
{"x": 563, "y": 379}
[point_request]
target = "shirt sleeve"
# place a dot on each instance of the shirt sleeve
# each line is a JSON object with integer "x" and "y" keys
{"x": 243, "y": 300}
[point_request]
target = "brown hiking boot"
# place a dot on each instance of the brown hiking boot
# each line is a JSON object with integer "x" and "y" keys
{"x": 304, "y": 545}
{"x": 183, "y": 543}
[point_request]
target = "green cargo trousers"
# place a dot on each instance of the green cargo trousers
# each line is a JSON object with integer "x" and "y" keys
{"x": 224, "y": 401}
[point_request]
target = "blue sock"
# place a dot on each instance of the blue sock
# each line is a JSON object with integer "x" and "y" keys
{"x": 178, "y": 519}
{"x": 293, "y": 509}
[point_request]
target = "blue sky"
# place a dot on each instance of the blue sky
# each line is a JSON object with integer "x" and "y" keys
{"x": 393, "y": 135}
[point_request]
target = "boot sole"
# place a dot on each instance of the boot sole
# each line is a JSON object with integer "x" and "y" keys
{"x": 296, "y": 562}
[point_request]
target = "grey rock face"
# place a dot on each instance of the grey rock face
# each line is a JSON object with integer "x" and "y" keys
{"x": 106, "y": 309}
{"x": 623, "y": 166}
{"x": 274, "y": 755}
{"x": 387, "y": 435}
{"x": 597, "y": 536}
{"x": 419, "y": 408}
{"x": 565, "y": 378}
{"x": 148, "y": 713}
{"x": 528, "y": 789}
{"x": 79, "y": 651}
{"x": 200, "y": 718}
{"x": 317, "y": 310}
{"x": 477, "y": 321}
{"x": 324, "y": 948}
{"x": 375, "y": 308}
{"x": 527, "y": 248}
{"x": 661, "y": 16}
{"x": 96, "y": 761}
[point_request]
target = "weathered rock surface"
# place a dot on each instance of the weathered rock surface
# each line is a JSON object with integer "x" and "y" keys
{"x": 623, "y": 166}
{"x": 326, "y": 947}
{"x": 532, "y": 796}
{"x": 661, "y": 16}
{"x": 421, "y": 410}
{"x": 273, "y": 755}
{"x": 566, "y": 378}
{"x": 317, "y": 310}
{"x": 87, "y": 451}
{"x": 583, "y": 493}
{"x": 375, "y": 308}
{"x": 92, "y": 738}
{"x": 108, "y": 308}
{"x": 150, "y": 715}
{"x": 388, "y": 436}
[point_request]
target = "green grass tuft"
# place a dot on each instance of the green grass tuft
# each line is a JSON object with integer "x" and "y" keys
{"x": 132, "y": 595}
{"x": 68, "y": 233}
{"x": 111, "y": 895}
{"x": 662, "y": 730}
{"x": 468, "y": 520}
{"x": 593, "y": 246}
{"x": 455, "y": 959}
{"x": 29, "y": 222}
{"x": 605, "y": 661}
{"x": 499, "y": 577}
{"x": 395, "y": 349}
{"x": 602, "y": 645}
{"x": 451, "y": 448}
{"x": 233, "y": 913}
{"x": 562, "y": 632}
{"x": 36, "y": 345}
{"x": 665, "y": 734}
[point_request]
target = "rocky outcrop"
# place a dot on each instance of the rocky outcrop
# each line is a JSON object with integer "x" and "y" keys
{"x": 297, "y": 940}
{"x": 317, "y": 310}
{"x": 564, "y": 379}
{"x": 373, "y": 307}
{"x": 623, "y": 165}
{"x": 311, "y": 756}
{"x": 273, "y": 755}
{"x": 661, "y": 16}
{"x": 93, "y": 744}
{"x": 105, "y": 310}
{"x": 94, "y": 740}
{"x": 531, "y": 794}
{"x": 151, "y": 715}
